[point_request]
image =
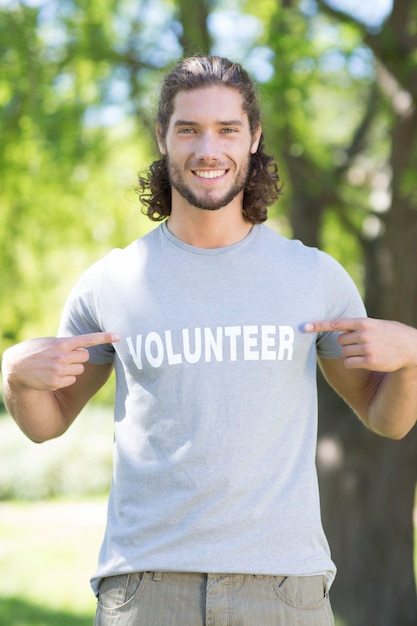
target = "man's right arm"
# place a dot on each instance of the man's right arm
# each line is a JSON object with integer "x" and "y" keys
{"x": 48, "y": 381}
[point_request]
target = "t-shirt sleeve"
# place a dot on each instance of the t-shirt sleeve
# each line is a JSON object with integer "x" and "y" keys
{"x": 341, "y": 299}
{"x": 81, "y": 313}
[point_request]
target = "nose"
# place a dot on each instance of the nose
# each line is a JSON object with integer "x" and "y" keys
{"x": 207, "y": 148}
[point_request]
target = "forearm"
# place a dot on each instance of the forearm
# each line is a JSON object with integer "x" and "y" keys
{"x": 393, "y": 407}
{"x": 377, "y": 374}
{"x": 48, "y": 381}
{"x": 37, "y": 413}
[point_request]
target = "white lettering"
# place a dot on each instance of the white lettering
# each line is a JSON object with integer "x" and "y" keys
{"x": 286, "y": 342}
{"x": 136, "y": 354}
{"x": 213, "y": 344}
{"x": 268, "y": 342}
{"x": 154, "y": 338}
{"x": 249, "y": 342}
{"x": 173, "y": 359}
{"x": 233, "y": 332}
{"x": 192, "y": 357}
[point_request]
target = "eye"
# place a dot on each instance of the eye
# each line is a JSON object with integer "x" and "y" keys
{"x": 228, "y": 131}
{"x": 186, "y": 131}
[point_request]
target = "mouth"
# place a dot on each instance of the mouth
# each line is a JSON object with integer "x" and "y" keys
{"x": 209, "y": 174}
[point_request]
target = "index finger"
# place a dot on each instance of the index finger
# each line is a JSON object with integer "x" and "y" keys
{"x": 91, "y": 339}
{"x": 337, "y": 325}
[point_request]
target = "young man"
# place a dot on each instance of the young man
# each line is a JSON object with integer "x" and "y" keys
{"x": 213, "y": 512}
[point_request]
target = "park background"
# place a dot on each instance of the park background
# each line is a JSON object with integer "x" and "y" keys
{"x": 78, "y": 85}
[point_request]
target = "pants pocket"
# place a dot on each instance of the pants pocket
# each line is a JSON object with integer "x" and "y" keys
{"x": 307, "y": 592}
{"x": 115, "y": 591}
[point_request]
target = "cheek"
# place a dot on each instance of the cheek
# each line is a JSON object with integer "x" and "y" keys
{"x": 176, "y": 150}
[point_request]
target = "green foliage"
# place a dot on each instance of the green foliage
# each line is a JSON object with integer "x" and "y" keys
{"x": 314, "y": 95}
{"x": 55, "y": 228}
{"x": 77, "y": 97}
{"x": 78, "y": 91}
{"x": 322, "y": 113}
{"x": 64, "y": 173}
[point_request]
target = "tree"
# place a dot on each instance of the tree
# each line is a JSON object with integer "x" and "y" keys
{"x": 68, "y": 70}
{"x": 348, "y": 142}
{"x": 389, "y": 468}
{"x": 367, "y": 483}
{"x": 195, "y": 34}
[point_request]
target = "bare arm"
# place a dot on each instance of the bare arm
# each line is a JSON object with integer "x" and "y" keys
{"x": 377, "y": 375}
{"x": 48, "y": 381}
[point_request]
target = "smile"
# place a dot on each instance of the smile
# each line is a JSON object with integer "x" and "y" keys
{"x": 209, "y": 173}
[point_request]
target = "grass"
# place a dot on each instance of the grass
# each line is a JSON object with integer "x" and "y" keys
{"x": 48, "y": 550}
{"x": 49, "y": 547}
{"x": 19, "y": 612}
{"x": 51, "y": 523}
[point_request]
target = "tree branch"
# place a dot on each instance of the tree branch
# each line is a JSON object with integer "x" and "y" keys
{"x": 393, "y": 46}
{"x": 359, "y": 136}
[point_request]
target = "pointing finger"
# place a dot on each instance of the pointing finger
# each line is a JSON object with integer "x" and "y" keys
{"x": 90, "y": 340}
{"x": 337, "y": 325}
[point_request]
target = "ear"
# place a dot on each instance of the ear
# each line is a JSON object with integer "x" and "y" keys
{"x": 256, "y": 139}
{"x": 160, "y": 139}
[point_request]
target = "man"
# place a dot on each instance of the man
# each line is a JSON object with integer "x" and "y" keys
{"x": 214, "y": 513}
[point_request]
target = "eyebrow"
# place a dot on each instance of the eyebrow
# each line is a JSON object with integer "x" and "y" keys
{"x": 219, "y": 122}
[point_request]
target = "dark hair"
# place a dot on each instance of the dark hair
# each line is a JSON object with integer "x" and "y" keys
{"x": 262, "y": 188}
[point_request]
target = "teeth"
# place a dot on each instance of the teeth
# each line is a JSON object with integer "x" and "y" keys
{"x": 210, "y": 173}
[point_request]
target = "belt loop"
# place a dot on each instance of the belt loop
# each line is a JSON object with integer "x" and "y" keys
{"x": 157, "y": 577}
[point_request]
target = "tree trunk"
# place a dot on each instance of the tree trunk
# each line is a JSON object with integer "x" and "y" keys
{"x": 368, "y": 482}
{"x": 368, "y": 490}
{"x": 195, "y": 38}
{"x": 400, "y": 300}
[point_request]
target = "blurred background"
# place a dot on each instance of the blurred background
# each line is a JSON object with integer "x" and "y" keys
{"x": 78, "y": 84}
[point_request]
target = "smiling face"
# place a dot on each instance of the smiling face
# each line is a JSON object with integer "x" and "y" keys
{"x": 208, "y": 145}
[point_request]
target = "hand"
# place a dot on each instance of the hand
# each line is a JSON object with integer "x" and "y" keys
{"x": 372, "y": 344}
{"x": 51, "y": 363}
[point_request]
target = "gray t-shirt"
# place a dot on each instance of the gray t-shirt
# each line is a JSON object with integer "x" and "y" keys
{"x": 216, "y": 401}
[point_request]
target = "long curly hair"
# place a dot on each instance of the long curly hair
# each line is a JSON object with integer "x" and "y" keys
{"x": 262, "y": 186}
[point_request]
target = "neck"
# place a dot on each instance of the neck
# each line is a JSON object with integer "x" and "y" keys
{"x": 209, "y": 229}
{"x": 209, "y": 232}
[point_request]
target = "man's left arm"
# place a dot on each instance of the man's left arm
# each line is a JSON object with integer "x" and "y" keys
{"x": 377, "y": 374}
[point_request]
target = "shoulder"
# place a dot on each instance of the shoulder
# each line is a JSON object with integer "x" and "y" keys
{"x": 295, "y": 251}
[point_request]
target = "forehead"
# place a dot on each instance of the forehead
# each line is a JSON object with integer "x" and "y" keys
{"x": 209, "y": 104}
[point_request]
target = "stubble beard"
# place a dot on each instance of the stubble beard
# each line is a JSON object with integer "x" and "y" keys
{"x": 207, "y": 203}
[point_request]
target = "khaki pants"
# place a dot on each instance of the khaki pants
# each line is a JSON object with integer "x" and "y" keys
{"x": 181, "y": 599}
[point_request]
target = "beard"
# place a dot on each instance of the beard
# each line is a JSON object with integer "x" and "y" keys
{"x": 207, "y": 203}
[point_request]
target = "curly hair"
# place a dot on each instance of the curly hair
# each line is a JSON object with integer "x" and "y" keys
{"x": 262, "y": 185}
